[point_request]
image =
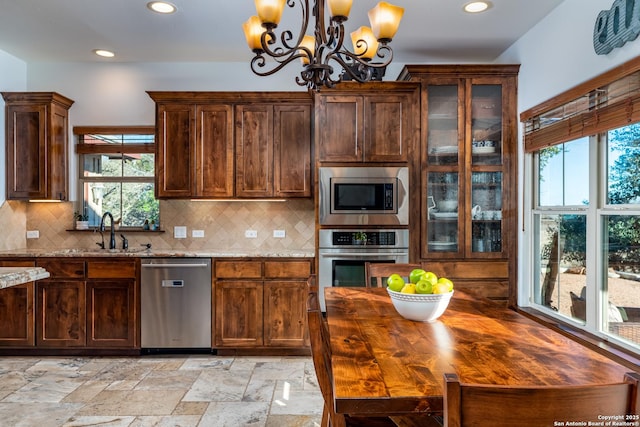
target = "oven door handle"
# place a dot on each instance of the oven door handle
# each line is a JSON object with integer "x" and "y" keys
{"x": 361, "y": 254}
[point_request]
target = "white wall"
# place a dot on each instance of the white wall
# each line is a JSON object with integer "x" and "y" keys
{"x": 556, "y": 55}
{"x": 13, "y": 78}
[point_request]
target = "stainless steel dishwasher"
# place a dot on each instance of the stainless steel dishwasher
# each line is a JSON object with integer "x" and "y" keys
{"x": 175, "y": 303}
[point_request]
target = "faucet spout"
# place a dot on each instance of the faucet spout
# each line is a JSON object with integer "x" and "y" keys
{"x": 112, "y": 240}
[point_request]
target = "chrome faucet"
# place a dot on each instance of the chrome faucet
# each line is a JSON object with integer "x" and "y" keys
{"x": 112, "y": 240}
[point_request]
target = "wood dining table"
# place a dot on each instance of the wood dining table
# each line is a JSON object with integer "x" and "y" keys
{"x": 385, "y": 364}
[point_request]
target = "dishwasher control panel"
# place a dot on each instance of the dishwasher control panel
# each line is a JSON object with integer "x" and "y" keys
{"x": 172, "y": 283}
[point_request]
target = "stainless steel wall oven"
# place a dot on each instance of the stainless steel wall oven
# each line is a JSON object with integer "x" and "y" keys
{"x": 342, "y": 254}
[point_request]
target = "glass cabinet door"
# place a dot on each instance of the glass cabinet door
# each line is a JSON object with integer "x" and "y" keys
{"x": 442, "y": 124}
{"x": 486, "y": 124}
{"x": 486, "y": 212}
{"x": 442, "y": 204}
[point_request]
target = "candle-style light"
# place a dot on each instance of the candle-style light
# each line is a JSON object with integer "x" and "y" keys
{"x": 324, "y": 49}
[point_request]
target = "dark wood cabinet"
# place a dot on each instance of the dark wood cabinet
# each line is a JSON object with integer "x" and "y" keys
{"x": 214, "y": 151}
{"x": 254, "y": 150}
{"x": 292, "y": 150}
{"x": 175, "y": 156}
{"x": 112, "y": 303}
{"x": 61, "y": 313}
{"x": 17, "y": 316}
{"x": 261, "y": 303}
{"x": 374, "y": 122}
{"x": 17, "y": 303}
{"x": 239, "y": 313}
{"x": 112, "y": 313}
{"x": 87, "y": 303}
{"x": 37, "y": 137}
{"x": 468, "y": 174}
{"x": 221, "y": 144}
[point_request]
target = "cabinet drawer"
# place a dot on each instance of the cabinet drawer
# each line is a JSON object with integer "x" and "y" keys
{"x": 63, "y": 268}
{"x": 112, "y": 269}
{"x": 239, "y": 269}
{"x": 17, "y": 263}
{"x": 287, "y": 269}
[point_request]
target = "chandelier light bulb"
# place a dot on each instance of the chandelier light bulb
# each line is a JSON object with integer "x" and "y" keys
{"x": 339, "y": 9}
{"x": 270, "y": 11}
{"x": 385, "y": 20}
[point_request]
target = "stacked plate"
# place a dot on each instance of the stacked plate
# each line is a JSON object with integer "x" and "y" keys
{"x": 446, "y": 149}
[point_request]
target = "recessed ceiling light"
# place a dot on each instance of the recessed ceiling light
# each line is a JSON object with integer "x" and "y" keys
{"x": 161, "y": 7}
{"x": 477, "y": 6}
{"x": 104, "y": 53}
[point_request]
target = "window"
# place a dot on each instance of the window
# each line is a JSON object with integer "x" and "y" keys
{"x": 585, "y": 217}
{"x": 117, "y": 175}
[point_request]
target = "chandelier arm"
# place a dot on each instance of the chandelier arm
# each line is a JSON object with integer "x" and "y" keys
{"x": 259, "y": 62}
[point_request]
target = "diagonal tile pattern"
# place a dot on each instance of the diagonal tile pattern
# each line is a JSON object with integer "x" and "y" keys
{"x": 171, "y": 390}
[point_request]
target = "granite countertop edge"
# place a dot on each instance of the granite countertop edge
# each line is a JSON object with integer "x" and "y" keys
{"x": 204, "y": 253}
{"x": 13, "y": 276}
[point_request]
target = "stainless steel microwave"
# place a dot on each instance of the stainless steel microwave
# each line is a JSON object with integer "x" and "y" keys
{"x": 363, "y": 195}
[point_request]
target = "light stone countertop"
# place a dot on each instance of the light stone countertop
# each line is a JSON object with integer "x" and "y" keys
{"x": 144, "y": 253}
{"x": 12, "y": 276}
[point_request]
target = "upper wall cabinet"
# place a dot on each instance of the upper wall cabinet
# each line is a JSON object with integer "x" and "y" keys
{"x": 372, "y": 122}
{"x": 37, "y": 138}
{"x": 223, "y": 144}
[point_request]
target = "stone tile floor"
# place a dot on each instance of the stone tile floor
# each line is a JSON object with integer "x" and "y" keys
{"x": 165, "y": 390}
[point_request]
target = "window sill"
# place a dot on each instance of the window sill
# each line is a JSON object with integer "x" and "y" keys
{"x": 608, "y": 349}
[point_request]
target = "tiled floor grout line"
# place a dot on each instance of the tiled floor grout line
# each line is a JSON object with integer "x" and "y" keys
{"x": 140, "y": 392}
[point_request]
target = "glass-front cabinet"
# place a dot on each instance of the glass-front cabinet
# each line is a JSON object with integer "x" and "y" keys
{"x": 469, "y": 136}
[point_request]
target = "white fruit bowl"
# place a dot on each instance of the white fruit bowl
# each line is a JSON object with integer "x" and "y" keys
{"x": 420, "y": 307}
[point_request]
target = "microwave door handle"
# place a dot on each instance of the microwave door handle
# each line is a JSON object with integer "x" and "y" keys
{"x": 360, "y": 254}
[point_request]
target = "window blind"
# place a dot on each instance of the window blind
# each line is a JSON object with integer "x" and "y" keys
{"x": 606, "y": 102}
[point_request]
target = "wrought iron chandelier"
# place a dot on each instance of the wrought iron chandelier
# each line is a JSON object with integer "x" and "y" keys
{"x": 324, "y": 49}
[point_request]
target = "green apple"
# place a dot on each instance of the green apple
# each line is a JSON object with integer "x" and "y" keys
{"x": 416, "y": 275}
{"x": 443, "y": 281}
{"x": 424, "y": 287}
{"x": 430, "y": 276}
{"x": 395, "y": 282}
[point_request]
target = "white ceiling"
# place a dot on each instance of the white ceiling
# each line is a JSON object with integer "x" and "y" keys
{"x": 210, "y": 30}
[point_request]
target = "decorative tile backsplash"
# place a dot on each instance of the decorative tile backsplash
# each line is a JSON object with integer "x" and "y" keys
{"x": 224, "y": 224}
{"x": 13, "y": 220}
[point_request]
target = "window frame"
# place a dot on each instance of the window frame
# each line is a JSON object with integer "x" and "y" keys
{"x": 133, "y": 148}
{"x": 595, "y": 122}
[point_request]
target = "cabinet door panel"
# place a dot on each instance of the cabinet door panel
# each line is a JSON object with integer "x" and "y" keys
{"x": 214, "y": 151}
{"x": 174, "y": 150}
{"x": 387, "y": 136}
{"x": 111, "y": 313}
{"x": 254, "y": 150}
{"x": 339, "y": 128}
{"x": 60, "y": 314}
{"x": 292, "y": 151}
{"x": 26, "y": 151}
{"x": 16, "y": 315}
{"x": 239, "y": 313}
{"x": 284, "y": 313}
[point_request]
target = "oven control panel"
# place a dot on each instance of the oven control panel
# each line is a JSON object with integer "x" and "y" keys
{"x": 377, "y": 238}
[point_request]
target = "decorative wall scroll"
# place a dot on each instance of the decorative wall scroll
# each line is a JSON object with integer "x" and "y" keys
{"x": 616, "y": 26}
